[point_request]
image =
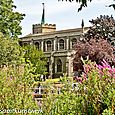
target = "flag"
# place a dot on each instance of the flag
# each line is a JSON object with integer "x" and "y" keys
{"x": 43, "y": 15}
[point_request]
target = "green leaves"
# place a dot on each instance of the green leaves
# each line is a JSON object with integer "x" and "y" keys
{"x": 95, "y": 95}
{"x": 15, "y": 87}
{"x": 112, "y": 5}
{"x": 36, "y": 58}
{"x": 9, "y": 50}
{"x": 10, "y": 20}
{"x": 84, "y": 3}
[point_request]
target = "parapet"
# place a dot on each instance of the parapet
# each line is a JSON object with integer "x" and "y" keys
{"x": 44, "y": 25}
{"x": 43, "y": 28}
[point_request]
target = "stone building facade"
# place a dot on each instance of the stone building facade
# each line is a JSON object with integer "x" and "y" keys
{"x": 58, "y": 46}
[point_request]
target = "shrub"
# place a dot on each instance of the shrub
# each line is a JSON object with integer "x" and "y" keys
{"x": 95, "y": 51}
{"x": 95, "y": 93}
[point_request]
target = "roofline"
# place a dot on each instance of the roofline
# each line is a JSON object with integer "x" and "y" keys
{"x": 54, "y": 32}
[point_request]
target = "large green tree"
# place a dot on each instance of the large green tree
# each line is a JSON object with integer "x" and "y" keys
{"x": 36, "y": 58}
{"x": 17, "y": 73}
{"x": 9, "y": 19}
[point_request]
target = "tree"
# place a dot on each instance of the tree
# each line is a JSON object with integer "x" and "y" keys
{"x": 9, "y": 51}
{"x": 10, "y": 20}
{"x": 16, "y": 78}
{"x": 36, "y": 58}
{"x": 95, "y": 50}
{"x": 83, "y": 3}
{"x": 16, "y": 73}
{"x": 102, "y": 27}
{"x": 97, "y": 43}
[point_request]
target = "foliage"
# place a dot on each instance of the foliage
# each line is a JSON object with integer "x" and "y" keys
{"x": 83, "y": 3}
{"x": 15, "y": 87}
{"x": 9, "y": 51}
{"x": 99, "y": 83}
{"x": 9, "y": 20}
{"x": 36, "y": 58}
{"x": 56, "y": 80}
{"x": 95, "y": 50}
{"x": 16, "y": 72}
{"x": 94, "y": 95}
{"x": 96, "y": 43}
{"x": 112, "y": 5}
{"x": 16, "y": 78}
{"x": 103, "y": 28}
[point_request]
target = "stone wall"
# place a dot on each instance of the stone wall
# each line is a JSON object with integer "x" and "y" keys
{"x": 56, "y": 45}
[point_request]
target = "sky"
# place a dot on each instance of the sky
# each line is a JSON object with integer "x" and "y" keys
{"x": 63, "y": 14}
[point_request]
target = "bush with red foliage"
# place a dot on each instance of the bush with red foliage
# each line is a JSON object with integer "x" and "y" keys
{"x": 94, "y": 50}
{"x": 97, "y": 44}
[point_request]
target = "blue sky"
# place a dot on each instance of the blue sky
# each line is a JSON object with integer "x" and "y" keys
{"x": 63, "y": 14}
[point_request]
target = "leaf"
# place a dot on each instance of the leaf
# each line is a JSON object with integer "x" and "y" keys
{"x": 112, "y": 5}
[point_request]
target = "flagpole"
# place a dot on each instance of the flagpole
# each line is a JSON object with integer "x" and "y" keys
{"x": 82, "y": 25}
{"x": 43, "y": 15}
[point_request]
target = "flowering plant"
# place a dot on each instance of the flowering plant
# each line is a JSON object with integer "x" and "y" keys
{"x": 98, "y": 82}
{"x": 93, "y": 95}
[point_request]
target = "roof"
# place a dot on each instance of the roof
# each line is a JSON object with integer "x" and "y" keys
{"x": 79, "y": 30}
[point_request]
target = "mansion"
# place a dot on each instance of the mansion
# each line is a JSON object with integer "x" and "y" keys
{"x": 58, "y": 46}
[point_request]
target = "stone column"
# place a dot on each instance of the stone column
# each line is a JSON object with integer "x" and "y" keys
{"x": 55, "y": 44}
{"x": 69, "y": 65}
{"x": 55, "y": 66}
{"x": 51, "y": 65}
{"x": 54, "y": 48}
{"x": 67, "y": 43}
{"x": 45, "y": 46}
{"x": 42, "y": 45}
{"x": 32, "y": 42}
{"x": 58, "y": 45}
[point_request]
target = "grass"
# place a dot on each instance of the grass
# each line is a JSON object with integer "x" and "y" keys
{"x": 52, "y": 80}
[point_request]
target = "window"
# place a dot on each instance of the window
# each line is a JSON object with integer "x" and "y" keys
{"x": 61, "y": 44}
{"x": 59, "y": 65}
{"x": 49, "y": 45}
{"x": 73, "y": 42}
{"x": 37, "y": 44}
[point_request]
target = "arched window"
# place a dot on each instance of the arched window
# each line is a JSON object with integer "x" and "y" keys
{"x": 59, "y": 65}
{"x": 61, "y": 44}
{"x": 74, "y": 40}
{"x": 49, "y": 45}
{"x": 37, "y": 44}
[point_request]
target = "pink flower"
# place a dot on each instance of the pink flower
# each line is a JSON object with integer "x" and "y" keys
{"x": 79, "y": 79}
{"x": 105, "y": 64}
{"x": 114, "y": 76}
{"x": 84, "y": 76}
{"x": 87, "y": 68}
{"x": 100, "y": 67}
